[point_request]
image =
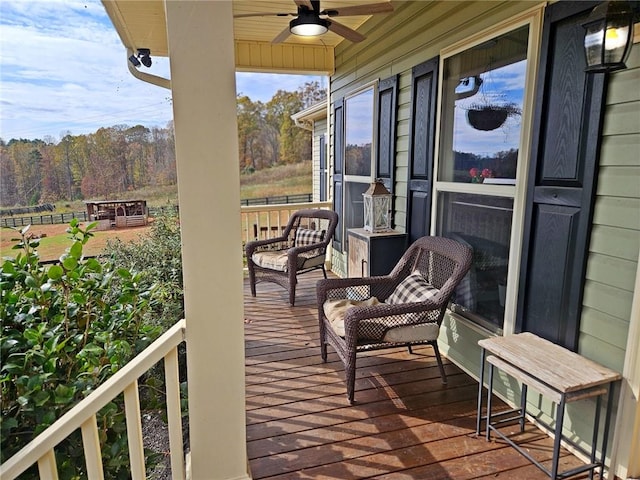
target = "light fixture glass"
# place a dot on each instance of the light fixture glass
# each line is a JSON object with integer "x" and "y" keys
{"x": 608, "y": 36}
{"x": 308, "y": 26}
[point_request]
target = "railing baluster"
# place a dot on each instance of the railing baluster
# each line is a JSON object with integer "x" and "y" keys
{"x": 91, "y": 443}
{"x": 174, "y": 414}
{"x": 47, "y": 468}
{"x": 134, "y": 431}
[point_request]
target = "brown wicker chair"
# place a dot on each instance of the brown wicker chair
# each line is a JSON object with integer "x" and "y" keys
{"x": 413, "y": 300}
{"x": 301, "y": 248}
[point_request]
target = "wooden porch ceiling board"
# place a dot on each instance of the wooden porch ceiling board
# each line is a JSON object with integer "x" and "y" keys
{"x": 291, "y": 58}
{"x": 405, "y": 424}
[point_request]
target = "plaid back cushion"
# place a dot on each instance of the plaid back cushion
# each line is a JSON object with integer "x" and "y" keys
{"x": 306, "y": 237}
{"x": 412, "y": 289}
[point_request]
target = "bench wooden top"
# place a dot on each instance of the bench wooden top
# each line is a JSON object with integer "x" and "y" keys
{"x": 552, "y": 364}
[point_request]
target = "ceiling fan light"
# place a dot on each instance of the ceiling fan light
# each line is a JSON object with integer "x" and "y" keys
{"x": 308, "y": 26}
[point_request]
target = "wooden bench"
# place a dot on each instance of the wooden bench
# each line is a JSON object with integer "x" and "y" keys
{"x": 558, "y": 374}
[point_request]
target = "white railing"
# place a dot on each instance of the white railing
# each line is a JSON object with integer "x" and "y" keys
{"x": 83, "y": 416}
{"x": 266, "y": 221}
{"x": 261, "y": 221}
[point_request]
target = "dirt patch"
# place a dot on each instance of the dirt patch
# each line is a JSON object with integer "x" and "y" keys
{"x": 55, "y": 239}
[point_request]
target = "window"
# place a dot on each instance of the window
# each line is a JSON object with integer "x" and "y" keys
{"x": 358, "y": 154}
{"x": 481, "y": 131}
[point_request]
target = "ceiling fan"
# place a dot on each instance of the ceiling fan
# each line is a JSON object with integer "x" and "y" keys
{"x": 310, "y": 21}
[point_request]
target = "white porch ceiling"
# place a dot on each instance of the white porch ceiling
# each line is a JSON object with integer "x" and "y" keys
{"x": 142, "y": 24}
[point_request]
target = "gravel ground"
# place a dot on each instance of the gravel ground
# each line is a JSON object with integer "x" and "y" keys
{"x": 155, "y": 436}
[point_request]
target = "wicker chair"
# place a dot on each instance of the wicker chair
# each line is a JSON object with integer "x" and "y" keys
{"x": 301, "y": 248}
{"x": 404, "y": 308}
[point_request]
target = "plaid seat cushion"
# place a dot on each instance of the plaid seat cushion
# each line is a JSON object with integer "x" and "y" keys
{"x": 273, "y": 260}
{"x": 306, "y": 237}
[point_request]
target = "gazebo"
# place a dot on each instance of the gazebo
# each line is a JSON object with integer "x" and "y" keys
{"x": 117, "y": 213}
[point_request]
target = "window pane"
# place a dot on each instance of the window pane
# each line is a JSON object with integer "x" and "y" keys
{"x": 483, "y": 93}
{"x": 484, "y": 223}
{"x": 358, "y": 133}
{"x": 354, "y": 205}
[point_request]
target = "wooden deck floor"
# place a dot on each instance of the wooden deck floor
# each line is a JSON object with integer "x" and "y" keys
{"x": 405, "y": 425}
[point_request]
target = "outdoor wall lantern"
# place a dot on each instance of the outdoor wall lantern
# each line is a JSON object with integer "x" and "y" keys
{"x": 377, "y": 208}
{"x": 608, "y": 36}
{"x": 308, "y": 24}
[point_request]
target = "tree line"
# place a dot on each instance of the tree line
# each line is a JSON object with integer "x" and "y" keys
{"x": 119, "y": 159}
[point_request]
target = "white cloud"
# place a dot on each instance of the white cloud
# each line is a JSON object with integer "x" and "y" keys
{"x": 63, "y": 68}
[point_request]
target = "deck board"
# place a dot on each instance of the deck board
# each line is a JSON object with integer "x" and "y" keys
{"x": 405, "y": 424}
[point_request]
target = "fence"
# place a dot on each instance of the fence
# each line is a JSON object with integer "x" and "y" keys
{"x": 301, "y": 198}
{"x": 55, "y": 218}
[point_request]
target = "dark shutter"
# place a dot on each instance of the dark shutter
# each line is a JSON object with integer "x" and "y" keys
{"x": 564, "y": 156}
{"x": 424, "y": 83}
{"x": 338, "y": 164}
{"x": 323, "y": 168}
{"x": 386, "y": 144}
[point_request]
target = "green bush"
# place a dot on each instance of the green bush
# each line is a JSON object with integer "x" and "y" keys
{"x": 65, "y": 329}
{"x": 158, "y": 256}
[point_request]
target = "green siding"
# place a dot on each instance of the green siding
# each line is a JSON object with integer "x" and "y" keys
{"x": 615, "y": 239}
{"x": 319, "y": 129}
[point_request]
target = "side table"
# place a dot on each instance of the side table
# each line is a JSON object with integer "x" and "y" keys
{"x": 558, "y": 374}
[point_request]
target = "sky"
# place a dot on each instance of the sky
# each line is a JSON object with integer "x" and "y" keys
{"x": 63, "y": 70}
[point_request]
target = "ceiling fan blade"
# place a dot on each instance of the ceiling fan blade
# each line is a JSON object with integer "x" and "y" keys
{"x": 369, "y": 9}
{"x": 345, "y": 32}
{"x": 282, "y": 36}
{"x": 304, "y": 3}
{"x": 264, "y": 14}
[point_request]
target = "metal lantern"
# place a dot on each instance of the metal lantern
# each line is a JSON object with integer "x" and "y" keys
{"x": 377, "y": 208}
{"x": 608, "y": 36}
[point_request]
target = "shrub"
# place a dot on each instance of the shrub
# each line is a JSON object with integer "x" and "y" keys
{"x": 158, "y": 257}
{"x": 66, "y": 329}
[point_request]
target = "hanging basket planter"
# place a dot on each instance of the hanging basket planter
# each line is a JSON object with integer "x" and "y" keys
{"x": 490, "y": 117}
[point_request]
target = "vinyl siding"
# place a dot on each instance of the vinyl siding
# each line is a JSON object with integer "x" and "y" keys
{"x": 319, "y": 129}
{"x": 615, "y": 238}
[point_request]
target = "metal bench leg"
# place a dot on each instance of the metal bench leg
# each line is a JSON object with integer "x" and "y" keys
{"x": 523, "y": 406}
{"x": 489, "y": 395}
{"x": 607, "y": 424}
{"x": 483, "y": 354}
{"x": 594, "y": 442}
{"x": 558, "y": 438}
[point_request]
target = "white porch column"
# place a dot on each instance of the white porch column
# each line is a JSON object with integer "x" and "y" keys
{"x": 200, "y": 37}
{"x": 625, "y": 459}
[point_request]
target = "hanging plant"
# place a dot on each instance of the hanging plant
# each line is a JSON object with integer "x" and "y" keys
{"x": 488, "y": 117}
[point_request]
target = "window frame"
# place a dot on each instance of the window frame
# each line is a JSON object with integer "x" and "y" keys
{"x": 518, "y": 192}
{"x": 347, "y": 179}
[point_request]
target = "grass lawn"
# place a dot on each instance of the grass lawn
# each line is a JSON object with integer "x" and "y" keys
{"x": 56, "y": 240}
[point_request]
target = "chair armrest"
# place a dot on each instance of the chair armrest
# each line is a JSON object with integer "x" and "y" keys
{"x": 252, "y": 246}
{"x": 305, "y": 248}
{"x": 354, "y": 288}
